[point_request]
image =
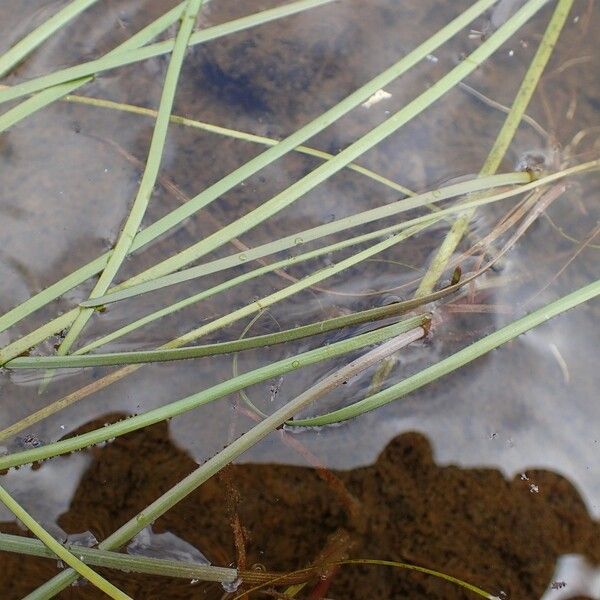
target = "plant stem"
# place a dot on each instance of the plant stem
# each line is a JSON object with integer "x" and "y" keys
{"x": 51, "y": 94}
{"x": 232, "y": 133}
{"x": 346, "y": 156}
{"x": 459, "y": 359}
{"x": 235, "y": 449}
{"x": 213, "y": 393}
{"x": 303, "y": 237}
{"x": 142, "y": 199}
{"x": 38, "y": 36}
{"x": 505, "y": 136}
{"x": 444, "y": 253}
{"x": 133, "y": 55}
{"x": 250, "y": 168}
{"x": 122, "y": 562}
{"x": 142, "y": 564}
{"x": 186, "y": 353}
{"x": 21, "y": 345}
{"x": 59, "y": 550}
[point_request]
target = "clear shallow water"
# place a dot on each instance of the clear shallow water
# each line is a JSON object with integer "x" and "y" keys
{"x": 70, "y": 173}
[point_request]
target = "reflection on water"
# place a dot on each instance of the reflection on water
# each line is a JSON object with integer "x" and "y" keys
{"x": 504, "y": 484}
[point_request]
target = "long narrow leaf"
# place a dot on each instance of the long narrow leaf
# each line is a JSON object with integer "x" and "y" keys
{"x": 250, "y": 168}
{"x": 326, "y": 170}
{"x": 183, "y": 488}
{"x": 503, "y": 140}
{"x": 28, "y": 341}
{"x": 121, "y": 562}
{"x": 304, "y": 237}
{"x": 38, "y": 36}
{"x": 59, "y": 550}
{"x": 155, "y": 153}
{"x": 457, "y": 360}
{"x": 56, "y": 92}
{"x": 220, "y": 390}
{"x": 232, "y": 133}
{"x": 135, "y": 55}
{"x": 186, "y": 353}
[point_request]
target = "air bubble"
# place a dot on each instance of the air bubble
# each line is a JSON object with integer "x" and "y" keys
{"x": 231, "y": 586}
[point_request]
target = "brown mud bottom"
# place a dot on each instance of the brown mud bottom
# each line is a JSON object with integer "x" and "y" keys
{"x": 469, "y": 523}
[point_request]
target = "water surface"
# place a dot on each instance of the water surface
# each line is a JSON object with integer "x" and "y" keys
{"x": 489, "y": 474}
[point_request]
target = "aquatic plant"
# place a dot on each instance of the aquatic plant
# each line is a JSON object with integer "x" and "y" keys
{"x": 538, "y": 190}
